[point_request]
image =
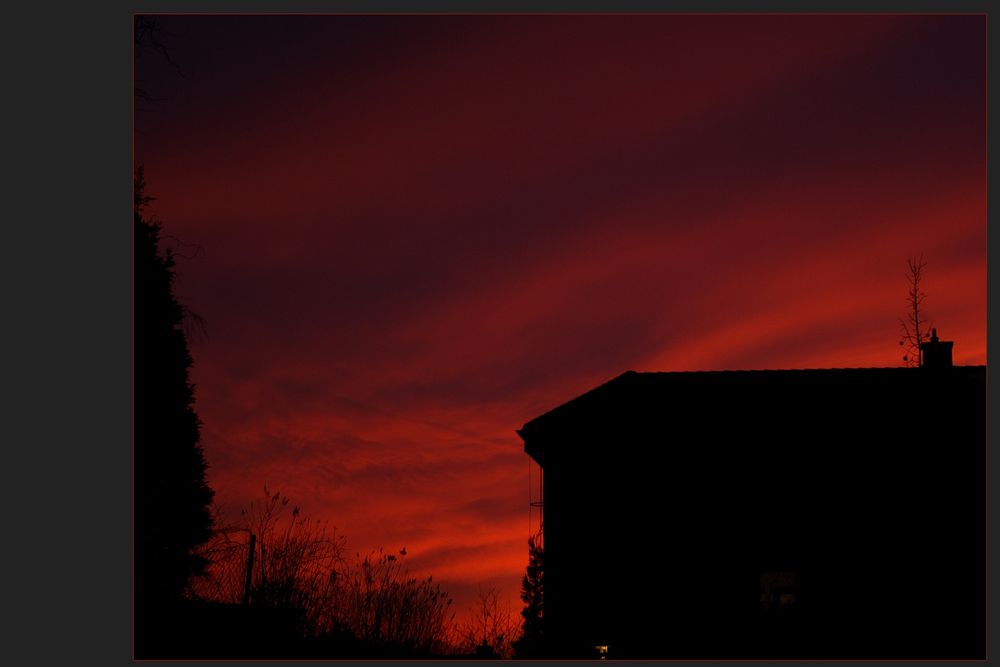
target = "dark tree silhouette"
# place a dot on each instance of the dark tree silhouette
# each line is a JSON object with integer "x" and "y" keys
{"x": 171, "y": 497}
{"x": 489, "y": 630}
{"x": 531, "y": 642}
{"x": 915, "y": 326}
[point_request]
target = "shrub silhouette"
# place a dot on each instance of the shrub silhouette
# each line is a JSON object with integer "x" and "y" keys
{"x": 368, "y": 606}
{"x": 383, "y": 605}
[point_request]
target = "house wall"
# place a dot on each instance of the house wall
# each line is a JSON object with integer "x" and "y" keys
{"x": 665, "y": 505}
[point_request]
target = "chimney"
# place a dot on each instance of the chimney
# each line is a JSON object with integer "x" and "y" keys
{"x": 936, "y": 353}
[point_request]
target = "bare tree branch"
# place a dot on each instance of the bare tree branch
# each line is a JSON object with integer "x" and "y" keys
{"x": 147, "y": 33}
{"x": 490, "y": 627}
{"x": 915, "y": 327}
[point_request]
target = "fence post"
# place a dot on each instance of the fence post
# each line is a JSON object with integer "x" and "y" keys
{"x": 249, "y": 578}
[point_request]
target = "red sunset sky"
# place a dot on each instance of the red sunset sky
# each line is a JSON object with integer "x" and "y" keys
{"x": 409, "y": 235}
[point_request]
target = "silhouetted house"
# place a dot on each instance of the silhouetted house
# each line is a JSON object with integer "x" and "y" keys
{"x": 767, "y": 514}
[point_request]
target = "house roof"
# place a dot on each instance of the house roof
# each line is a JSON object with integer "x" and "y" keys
{"x": 668, "y": 394}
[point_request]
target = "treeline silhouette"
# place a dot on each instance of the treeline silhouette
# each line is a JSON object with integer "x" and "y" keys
{"x": 271, "y": 584}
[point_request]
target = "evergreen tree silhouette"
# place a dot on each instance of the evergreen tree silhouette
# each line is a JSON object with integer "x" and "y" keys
{"x": 531, "y": 642}
{"x": 171, "y": 497}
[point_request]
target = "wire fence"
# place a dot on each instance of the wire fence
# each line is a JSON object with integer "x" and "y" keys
{"x": 228, "y": 553}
